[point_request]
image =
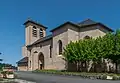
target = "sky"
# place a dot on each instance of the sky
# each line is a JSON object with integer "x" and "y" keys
{"x": 51, "y": 13}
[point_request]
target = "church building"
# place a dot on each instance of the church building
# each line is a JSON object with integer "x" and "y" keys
{"x": 43, "y": 51}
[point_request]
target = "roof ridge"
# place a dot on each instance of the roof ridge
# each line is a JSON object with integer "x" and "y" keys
{"x": 24, "y": 59}
{"x": 41, "y": 39}
{"x": 34, "y": 22}
{"x": 87, "y": 22}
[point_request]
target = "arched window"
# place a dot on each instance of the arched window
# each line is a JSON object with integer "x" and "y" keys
{"x": 34, "y": 31}
{"x": 87, "y": 37}
{"x": 60, "y": 47}
{"x": 35, "y": 52}
{"x": 41, "y": 33}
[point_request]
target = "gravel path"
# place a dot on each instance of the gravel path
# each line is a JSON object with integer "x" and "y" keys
{"x": 47, "y": 78}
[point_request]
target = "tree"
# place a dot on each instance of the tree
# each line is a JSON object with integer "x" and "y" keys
{"x": 96, "y": 50}
{"x": 115, "y": 55}
{"x": 79, "y": 51}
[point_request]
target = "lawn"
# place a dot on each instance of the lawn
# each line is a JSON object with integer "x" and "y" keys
{"x": 81, "y": 74}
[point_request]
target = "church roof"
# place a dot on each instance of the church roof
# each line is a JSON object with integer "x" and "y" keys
{"x": 73, "y": 24}
{"x": 41, "y": 40}
{"x": 31, "y": 21}
{"x": 83, "y": 24}
{"x": 23, "y": 60}
{"x": 87, "y": 22}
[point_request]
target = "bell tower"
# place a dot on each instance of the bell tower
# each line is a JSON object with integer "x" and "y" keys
{"x": 33, "y": 31}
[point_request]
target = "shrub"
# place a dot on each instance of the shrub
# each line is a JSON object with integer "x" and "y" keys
{"x": 3, "y": 72}
{"x": 10, "y": 72}
{"x": 7, "y": 72}
{"x": 104, "y": 77}
{"x": 115, "y": 77}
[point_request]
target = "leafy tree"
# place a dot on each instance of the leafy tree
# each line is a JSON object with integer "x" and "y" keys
{"x": 79, "y": 51}
{"x": 96, "y": 49}
{"x": 114, "y": 55}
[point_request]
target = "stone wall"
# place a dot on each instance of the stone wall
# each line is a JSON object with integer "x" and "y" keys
{"x": 62, "y": 35}
{"x": 92, "y": 31}
{"x": 22, "y": 68}
{"x": 45, "y": 50}
{"x": 66, "y": 34}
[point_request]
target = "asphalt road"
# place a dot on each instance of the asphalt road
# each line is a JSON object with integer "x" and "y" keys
{"x": 47, "y": 78}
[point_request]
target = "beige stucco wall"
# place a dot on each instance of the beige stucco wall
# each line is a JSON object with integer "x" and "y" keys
{"x": 45, "y": 49}
{"x": 28, "y": 33}
{"x": 93, "y": 31}
{"x": 60, "y": 34}
{"x": 73, "y": 33}
{"x": 22, "y": 68}
{"x": 29, "y": 39}
{"x": 24, "y": 51}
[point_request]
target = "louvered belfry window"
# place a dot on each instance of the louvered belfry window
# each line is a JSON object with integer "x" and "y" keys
{"x": 41, "y": 33}
{"x": 34, "y": 31}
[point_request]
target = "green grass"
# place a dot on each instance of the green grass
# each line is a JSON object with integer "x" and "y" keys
{"x": 66, "y": 72}
{"x": 81, "y": 74}
{"x": 1, "y": 79}
{"x": 7, "y": 72}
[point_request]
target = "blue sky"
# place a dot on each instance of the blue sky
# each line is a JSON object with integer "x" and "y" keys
{"x": 51, "y": 13}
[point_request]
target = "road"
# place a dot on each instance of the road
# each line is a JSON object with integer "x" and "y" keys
{"x": 47, "y": 78}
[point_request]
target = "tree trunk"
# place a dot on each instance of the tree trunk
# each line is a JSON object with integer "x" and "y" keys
{"x": 95, "y": 70}
{"x": 77, "y": 66}
{"x": 116, "y": 67}
{"x": 86, "y": 66}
